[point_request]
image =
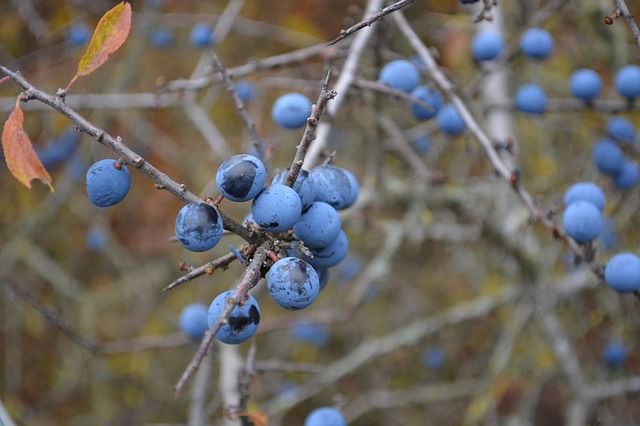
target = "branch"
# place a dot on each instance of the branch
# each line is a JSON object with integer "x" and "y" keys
{"x": 127, "y": 155}
{"x": 272, "y": 62}
{"x": 53, "y": 317}
{"x": 370, "y": 20}
{"x": 402, "y": 336}
{"x": 310, "y": 131}
{"x": 249, "y": 279}
{"x": 249, "y": 125}
{"x": 347, "y": 75}
{"x": 208, "y": 268}
{"x": 512, "y": 177}
{"x": 381, "y": 399}
{"x": 633, "y": 26}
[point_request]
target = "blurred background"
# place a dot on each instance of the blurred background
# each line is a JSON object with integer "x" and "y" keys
{"x": 451, "y": 307}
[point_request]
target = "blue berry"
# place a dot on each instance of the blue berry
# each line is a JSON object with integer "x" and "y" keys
{"x": 243, "y": 321}
{"x": 418, "y": 62}
{"x": 59, "y": 150}
{"x": 585, "y": 84}
{"x": 303, "y": 186}
{"x": 536, "y": 43}
{"x": 433, "y": 358}
{"x": 355, "y": 188}
{"x": 325, "y": 416}
{"x": 607, "y": 156}
{"x": 621, "y": 129}
{"x": 628, "y": 176}
{"x": 450, "y": 121}
{"x": 627, "y": 81}
{"x": 431, "y": 97}
{"x": 608, "y": 237}
{"x": 530, "y": 98}
{"x": 622, "y": 272}
{"x": 333, "y": 186}
{"x": 293, "y": 283}
{"x": 241, "y": 177}
{"x": 585, "y": 191}
{"x": 487, "y": 45}
{"x": 78, "y": 35}
{"x": 96, "y": 239}
{"x": 198, "y": 227}
{"x": 400, "y": 74}
{"x": 201, "y": 35}
{"x": 308, "y": 332}
{"x": 582, "y": 221}
{"x": 421, "y": 144}
{"x": 291, "y": 110}
{"x": 323, "y": 277}
{"x": 318, "y": 226}
{"x": 193, "y": 321}
{"x": 350, "y": 268}
{"x": 107, "y": 182}
{"x": 332, "y": 254}
{"x": 245, "y": 90}
{"x": 277, "y": 208}
{"x": 161, "y": 38}
{"x": 614, "y": 355}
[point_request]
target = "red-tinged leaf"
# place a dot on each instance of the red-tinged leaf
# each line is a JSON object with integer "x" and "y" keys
{"x": 257, "y": 418}
{"x": 110, "y": 33}
{"x": 21, "y": 159}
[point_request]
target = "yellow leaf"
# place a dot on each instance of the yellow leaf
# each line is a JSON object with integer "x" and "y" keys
{"x": 110, "y": 33}
{"x": 21, "y": 158}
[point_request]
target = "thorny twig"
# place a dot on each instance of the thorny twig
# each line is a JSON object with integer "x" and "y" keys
{"x": 249, "y": 279}
{"x": 309, "y": 134}
{"x": 371, "y": 19}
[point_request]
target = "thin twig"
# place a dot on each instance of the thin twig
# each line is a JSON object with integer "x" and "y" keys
{"x": 208, "y": 268}
{"x": 309, "y": 134}
{"x": 626, "y": 14}
{"x": 371, "y": 19}
{"x": 347, "y": 75}
{"x": 273, "y": 62}
{"x": 53, "y": 317}
{"x": 129, "y": 156}
{"x": 512, "y": 177}
{"x": 249, "y": 279}
{"x": 383, "y": 88}
{"x": 248, "y": 123}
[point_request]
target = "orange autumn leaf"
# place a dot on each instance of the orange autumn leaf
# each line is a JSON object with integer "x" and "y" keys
{"x": 257, "y": 418}
{"x": 110, "y": 33}
{"x": 21, "y": 159}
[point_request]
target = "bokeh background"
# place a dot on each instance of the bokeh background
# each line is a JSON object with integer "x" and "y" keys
{"x": 451, "y": 307}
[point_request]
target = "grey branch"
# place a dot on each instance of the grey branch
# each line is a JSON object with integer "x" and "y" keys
{"x": 510, "y": 176}
{"x": 199, "y": 394}
{"x": 371, "y": 19}
{"x": 435, "y": 392}
{"x": 248, "y": 123}
{"x": 249, "y": 279}
{"x": 626, "y": 14}
{"x": 127, "y": 155}
{"x": 347, "y": 75}
{"x": 309, "y": 134}
{"x": 272, "y": 62}
{"x": 402, "y": 336}
{"x": 208, "y": 268}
